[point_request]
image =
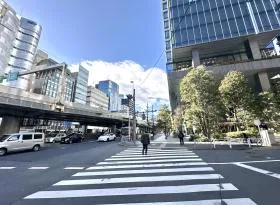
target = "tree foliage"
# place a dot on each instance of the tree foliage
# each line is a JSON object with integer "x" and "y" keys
{"x": 239, "y": 99}
{"x": 199, "y": 93}
{"x": 164, "y": 122}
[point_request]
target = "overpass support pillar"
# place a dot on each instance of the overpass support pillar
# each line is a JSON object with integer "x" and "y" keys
{"x": 84, "y": 129}
{"x": 114, "y": 129}
{"x": 10, "y": 125}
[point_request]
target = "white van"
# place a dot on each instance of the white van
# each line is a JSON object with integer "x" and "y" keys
{"x": 21, "y": 141}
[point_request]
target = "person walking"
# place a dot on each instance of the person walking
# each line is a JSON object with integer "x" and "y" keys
{"x": 145, "y": 140}
{"x": 181, "y": 137}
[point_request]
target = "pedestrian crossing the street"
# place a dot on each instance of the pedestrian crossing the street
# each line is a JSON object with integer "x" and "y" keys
{"x": 166, "y": 176}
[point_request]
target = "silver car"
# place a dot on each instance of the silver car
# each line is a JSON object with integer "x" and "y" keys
{"x": 21, "y": 141}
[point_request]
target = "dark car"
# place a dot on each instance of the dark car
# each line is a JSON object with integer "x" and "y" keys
{"x": 72, "y": 138}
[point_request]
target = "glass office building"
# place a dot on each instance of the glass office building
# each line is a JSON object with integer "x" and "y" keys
{"x": 47, "y": 82}
{"x": 111, "y": 89}
{"x": 217, "y": 33}
{"x": 24, "y": 51}
{"x": 193, "y": 22}
{"x": 81, "y": 85}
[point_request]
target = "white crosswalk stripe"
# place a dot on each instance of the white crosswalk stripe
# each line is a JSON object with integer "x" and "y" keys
{"x": 145, "y": 171}
{"x": 240, "y": 201}
{"x": 148, "y": 161}
{"x": 157, "y": 174}
{"x": 162, "y": 157}
{"x": 149, "y": 165}
{"x": 138, "y": 179}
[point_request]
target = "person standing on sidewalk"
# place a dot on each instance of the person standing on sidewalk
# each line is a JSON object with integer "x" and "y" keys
{"x": 145, "y": 139}
{"x": 181, "y": 137}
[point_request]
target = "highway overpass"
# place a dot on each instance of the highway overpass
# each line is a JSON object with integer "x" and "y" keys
{"x": 16, "y": 104}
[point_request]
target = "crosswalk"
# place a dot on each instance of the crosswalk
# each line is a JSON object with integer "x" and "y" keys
{"x": 166, "y": 176}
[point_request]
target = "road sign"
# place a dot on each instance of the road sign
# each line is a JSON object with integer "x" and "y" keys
{"x": 12, "y": 76}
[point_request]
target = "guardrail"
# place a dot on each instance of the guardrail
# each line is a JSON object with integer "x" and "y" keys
{"x": 238, "y": 141}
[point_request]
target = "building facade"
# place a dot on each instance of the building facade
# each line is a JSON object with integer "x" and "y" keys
{"x": 8, "y": 31}
{"x": 47, "y": 82}
{"x": 81, "y": 84}
{"x": 218, "y": 34}
{"x": 111, "y": 89}
{"x": 96, "y": 98}
{"x": 24, "y": 51}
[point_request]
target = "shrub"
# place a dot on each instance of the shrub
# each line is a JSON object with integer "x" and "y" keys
{"x": 239, "y": 134}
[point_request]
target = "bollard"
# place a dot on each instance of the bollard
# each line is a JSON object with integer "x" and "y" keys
{"x": 249, "y": 142}
{"x": 214, "y": 143}
{"x": 230, "y": 146}
{"x": 194, "y": 144}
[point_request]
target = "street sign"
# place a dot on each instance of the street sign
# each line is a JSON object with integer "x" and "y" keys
{"x": 12, "y": 76}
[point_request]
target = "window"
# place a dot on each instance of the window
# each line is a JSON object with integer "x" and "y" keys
{"x": 166, "y": 24}
{"x": 27, "y": 137}
{"x": 165, "y": 15}
{"x": 14, "y": 138}
{"x": 38, "y": 136}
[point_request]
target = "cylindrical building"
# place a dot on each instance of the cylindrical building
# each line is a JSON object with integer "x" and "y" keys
{"x": 9, "y": 24}
{"x": 23, "y": 53}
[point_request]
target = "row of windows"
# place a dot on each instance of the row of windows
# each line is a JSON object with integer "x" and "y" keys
{"x": 220, "y": 23}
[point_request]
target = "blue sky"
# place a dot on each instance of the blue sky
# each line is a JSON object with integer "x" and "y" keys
{"x": 107, "y": 30}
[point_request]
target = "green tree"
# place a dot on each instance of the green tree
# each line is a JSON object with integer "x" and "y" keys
{"x": 203, "y": 108}
{"x": 239, "y": 98}
{"x": 164, "y": 122}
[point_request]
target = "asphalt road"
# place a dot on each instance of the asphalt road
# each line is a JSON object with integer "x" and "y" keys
{"x": 107, "y": 173}
{"x": 49, "y": 165}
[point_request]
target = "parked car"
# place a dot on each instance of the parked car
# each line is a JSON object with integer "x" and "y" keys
{"x": 56, "y": 138}
{"x": 72, "y": 138}
{"x": 106, "y": 137}
{"x": 21, "y": 141}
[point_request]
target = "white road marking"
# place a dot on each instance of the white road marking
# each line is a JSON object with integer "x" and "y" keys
{"x": 148, "y": 161}
{"x": 7, "y": 167}
{"x": 74, "y": 168}
{"x": 148, "y": 165}
{"x": 38, "y": 168}
{"x": 132, "y": 191}
{"x": 262, "y": 171}
{"x": 245, "y": 162}
{"x": 158, "y": 151}
{"x": 151, "y": 155}
{"x": 238, "y": 201}
{"x": 241, "y": 201}
{"x": 146, "y": 158}
{"x": 138, "y": 179}
{"x": 145, "y": 171}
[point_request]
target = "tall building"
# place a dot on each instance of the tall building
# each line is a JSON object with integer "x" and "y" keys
{"x": 8, "y": 31}
{"x": 47, "y": 82}
{"x": 96, "y": 98}
{"x": 222, "y": 35}
{"x": 111, "y": 89}
{"x": 81, "y": 84}
{"x": 24, "y": 51}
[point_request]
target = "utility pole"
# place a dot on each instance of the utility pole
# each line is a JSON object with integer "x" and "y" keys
{"x": 147, "y": 113}
{"x": 134, "y": 116}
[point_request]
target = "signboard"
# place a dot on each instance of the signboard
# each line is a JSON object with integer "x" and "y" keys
{"x": 12, "y": 76}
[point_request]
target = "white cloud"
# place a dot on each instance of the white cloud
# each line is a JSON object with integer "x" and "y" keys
{"x": 154, "y": 87}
